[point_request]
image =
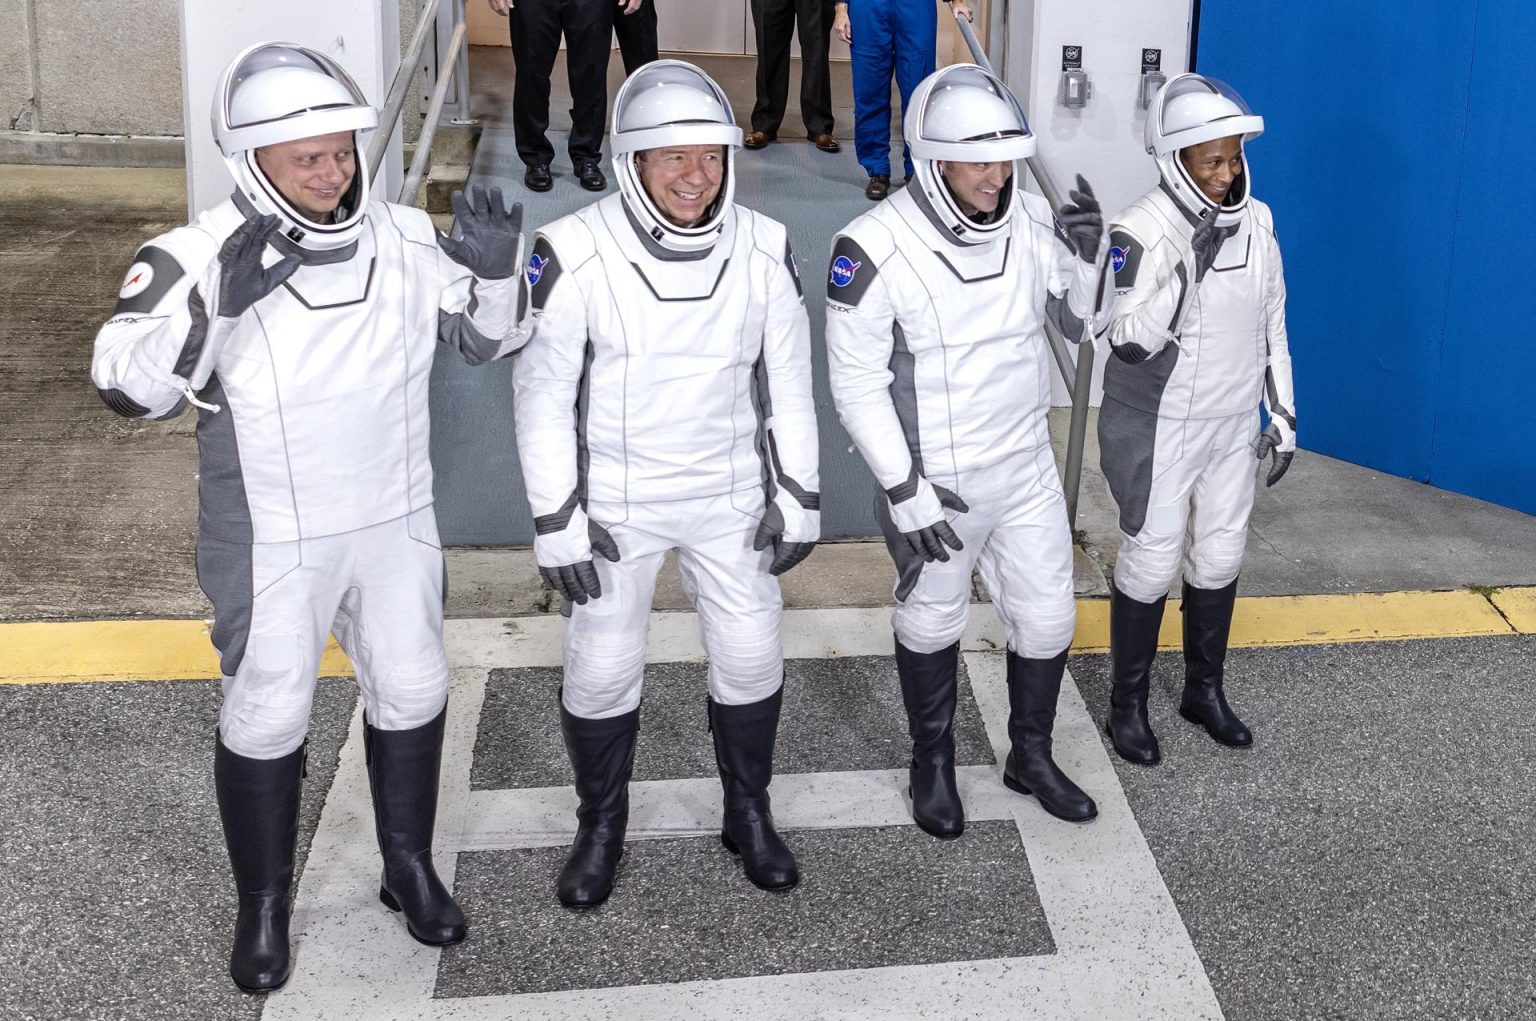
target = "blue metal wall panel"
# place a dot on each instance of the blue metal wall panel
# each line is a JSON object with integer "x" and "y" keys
{"x": 1488, "y": 365}
{"x": 1397, "y": 153}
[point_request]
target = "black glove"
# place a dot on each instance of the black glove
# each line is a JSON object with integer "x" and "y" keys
{"x": 1205, "y": 242}
{"x": 489, "y": 234}
{"x": 1268, "y": 443}
{"x": 929, "y": 541}
{"x": 242, "y": 279}
{"x": 1083, "y": 221}
{"x": 578, "y": 582}
{"x": 785, "y": 554}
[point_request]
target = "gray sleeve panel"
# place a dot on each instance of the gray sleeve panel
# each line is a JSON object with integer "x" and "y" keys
{"x": 906, "y": 489}
{"x": 849, "y": 273}
{"x": 548, "y": 524}
{"x": 197, "y": 335}
{"x": 122, "y": 403}
{"x": 1060, "y": 313}
{"x": 803, "y": 496}
{"x": 908, "y": 564}
{"x": 1140, "y": 384}
{"x": 1183, "y": 275}
{"x": 543, "y": 271}
{"x": 903, "y": 367}
{"x": 1127, "y": 440}
{"x": 768, "y": 447}
{"x": 794, "y": 272}
{"x": 164, "y": 272}
{"x": 583, "y": 407}
{"x": 455, "y": 330}
{"x": 1275, "y": 407}
{"x": 223, "y": 530}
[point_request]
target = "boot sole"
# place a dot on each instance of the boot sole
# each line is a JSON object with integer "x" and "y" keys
{"x": 1018, "y": 788}
{"x": 1133, "y": 761}
{"x": 1197, "y": 721}
{"x": 388, "y": 900}
{"x": 730, "y": 846}
{"x": 258, "y": 990}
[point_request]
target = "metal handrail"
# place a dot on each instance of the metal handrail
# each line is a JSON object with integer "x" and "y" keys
{"x": 1079, "y": 375}
{"x": 394, "y": 102}
{"x": 434, "y": 114}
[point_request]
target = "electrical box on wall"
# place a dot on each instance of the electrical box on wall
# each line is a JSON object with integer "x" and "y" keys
{"x": 1075, "y": 85}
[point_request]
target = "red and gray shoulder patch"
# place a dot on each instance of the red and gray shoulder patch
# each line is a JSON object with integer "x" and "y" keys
{"x": 1125, "y": 254}
{"x": 850, "y": 272}
{"x": 153, "y": 273}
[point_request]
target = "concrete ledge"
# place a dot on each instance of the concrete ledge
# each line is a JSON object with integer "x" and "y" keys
{"x": 145, "y": 151}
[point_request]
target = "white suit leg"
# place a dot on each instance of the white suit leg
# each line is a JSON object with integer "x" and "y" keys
{"x": 391, "y": 621}
{"x": 1221, "y": 503}
{"x": 1026, "y": 564}
{"x": 739, "y": 602}
{"x": 605, "y": 639}
{"x": 1149, "y": 560}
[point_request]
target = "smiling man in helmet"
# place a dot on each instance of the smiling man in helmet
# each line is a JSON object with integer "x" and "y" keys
{"x": 1197, "y": 326}
{"x": 936, "y": 304}
{"x": 300, "y": 316}
{"x": 664, "y": 403}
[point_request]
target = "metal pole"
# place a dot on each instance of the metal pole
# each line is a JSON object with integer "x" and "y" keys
{"x": 389, "y": 115}
{"x": 1079, "y": 377}
{"x": 429, "y": 126}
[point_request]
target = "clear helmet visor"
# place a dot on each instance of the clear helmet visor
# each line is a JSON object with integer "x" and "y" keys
{"x": 1192, "y": 109}
{"x": 966, "y": 113}
{"x": 670, "y": 102}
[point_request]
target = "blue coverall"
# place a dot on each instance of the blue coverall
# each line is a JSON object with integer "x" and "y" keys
{"x": 889, "y": 37}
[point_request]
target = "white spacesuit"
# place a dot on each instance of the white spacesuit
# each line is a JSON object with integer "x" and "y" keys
{"x": 940, "y": 371}
{"x": 665, "y": 404}
{"x": 306, "y": 340}
{"x": 1197, "y": 327}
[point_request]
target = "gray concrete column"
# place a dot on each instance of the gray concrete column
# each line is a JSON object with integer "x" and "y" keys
{"x": 362, "y": 35}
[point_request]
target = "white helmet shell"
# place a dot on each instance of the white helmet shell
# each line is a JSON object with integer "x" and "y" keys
{"x": 965, "y": 114}
{"x": 280, "y": 92}
{"x": 1192, "y": 110}
{"x": 669, "y": 103}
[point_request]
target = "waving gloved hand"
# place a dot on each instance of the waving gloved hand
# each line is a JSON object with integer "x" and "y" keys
{"x": 490, "y": 238}
{"x": 1279, "y": 439}
{"x": 920, "y": 520}
{"x": 565, "y": 557}
{"x": 1083, "y": 221}
{"x": 791, "y": 528}
{"x": 1205, "y": 243}
{"x": 243, "y": 281}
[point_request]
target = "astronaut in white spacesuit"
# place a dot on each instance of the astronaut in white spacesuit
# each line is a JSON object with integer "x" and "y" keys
{"x": 301, "y": 316}
{"x": 664, "y": 403}
{"x": 1197, "y": 327}
{"x": 936, "y": 302}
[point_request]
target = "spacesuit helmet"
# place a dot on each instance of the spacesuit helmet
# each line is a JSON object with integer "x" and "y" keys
{"x": 1190, "y": 110}
{"x": 671, "y": 103}
{"x": 280, "y": 92}
{"x": 965, "y": 114}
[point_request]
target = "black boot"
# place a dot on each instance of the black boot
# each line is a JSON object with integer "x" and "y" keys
{"x": 744, "y": 736}
{"x": 928, "y": 690}
{"x": 1133, "y": 627}
{"x": 602, "y": 756}
{"x": 1207, "y": 623}
{"x": 259, "y": 803}
{"x": 402, "y": 773}
{"x": 1033, "y": 686}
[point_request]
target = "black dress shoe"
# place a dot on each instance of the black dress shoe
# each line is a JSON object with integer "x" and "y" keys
{"x": 590, "y": 176}
{"x": 879, "y": 187}
{"x": 538, "y": 178}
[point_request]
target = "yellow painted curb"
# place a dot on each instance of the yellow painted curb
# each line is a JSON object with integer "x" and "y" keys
{"x": 120, "y": 650}
{"x": 1519, "y": 606}
{"x": 1315, "y": 620}
{"x": 82, "y": 651}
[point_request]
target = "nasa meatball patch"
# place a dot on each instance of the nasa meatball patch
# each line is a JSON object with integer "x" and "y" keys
{"x": 849, "y": 275}
{"x": 147, "y": 281}
{"x": 1124, "y": 259}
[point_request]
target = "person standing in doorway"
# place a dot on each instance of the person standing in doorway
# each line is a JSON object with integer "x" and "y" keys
{"x": 775, "y": 23}
{"x": 886, "y": 37}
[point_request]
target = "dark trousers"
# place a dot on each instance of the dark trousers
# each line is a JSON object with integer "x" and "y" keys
{"x": 536, "y": 29}
{"x": 775, "y": 22}
{"x": 637, "y": 35}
